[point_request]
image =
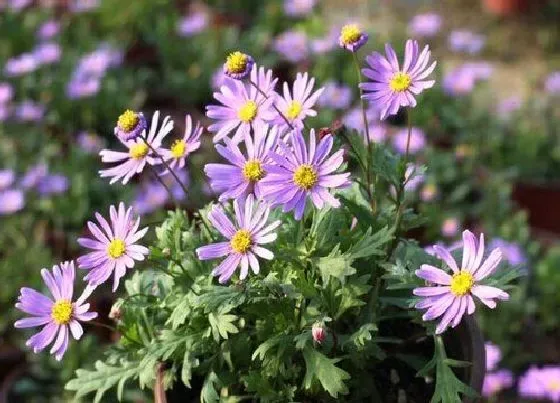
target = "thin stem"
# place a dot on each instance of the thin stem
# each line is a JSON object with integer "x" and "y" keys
{"x": 167, "y": 166}
{"x": 273, "y": 104}
{"x": 409, "y": 124}
{"x": 159, "y": 390}
{"x": 161, "y": 181}
{"x": 114, "y": 330}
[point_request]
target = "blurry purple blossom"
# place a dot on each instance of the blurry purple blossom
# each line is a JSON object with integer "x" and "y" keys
{"x": 292, "y": 45}
{"x": 493, "y": 352}
{"x": 6, "y": 93}
{"x": 48, "y": 29}
{"x": 33, "y": 175}
{"x": 425, "y": 25}
{"x": 462, "y": 79}
{"x": 4, "y": 112}
{"x": 80, "y": 6}
{"x": 335, "y": 96}
{"x": 552, "y": 83}
{"x": 20, "y": 65}
{"x": 450, "y": 227}
{"x": 52, "y": 184}
{"x": 29, "y": 111}
{"x": 512, "y": 252}
{"x": 47, "y": 53}
{"x": 7, "y": 177}
{"x": 193, "y": 23}
{"x": 417, "y": 140}
{"x": 83, "y": 88}
{"x": 149, "y": 198}
{"x": 466, "y": 41}
{"x": 11, "y": 201}
{"x": 327, "y": 43}
{"x": 298, "y": 8}
{"x": 17, "y": 5}
{"x": 90, "y": 143}
{"x": 494, "y": 382}
{"x": 508, "y": 106}
{"x": 429, "y": 192}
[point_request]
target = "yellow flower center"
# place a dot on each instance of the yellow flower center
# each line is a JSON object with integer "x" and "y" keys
{"x": 139, "y": 150}
{"x": 248, "y": 112}
{"x": 305, "y": 177}
{"x": 253, "y": 171}
{"x": 178, "y": 148}
{"x": 293, "y": 110}
{"x": 61, "y": 312}
{"x": 350, "y": 33}
{"x": 400, "y": 82}
{"x": 554, "y": 385}
{"x": 116, "y": 248}
{"x": 236, "y": 62}
{"x": 128, "y": 120}
{"x": 461, "y": 283}
{"x": 241, "y": 241}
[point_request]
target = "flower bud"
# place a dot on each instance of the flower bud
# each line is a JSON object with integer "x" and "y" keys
{"x": 318, "y": 332}
{"x": 116, "y": 312}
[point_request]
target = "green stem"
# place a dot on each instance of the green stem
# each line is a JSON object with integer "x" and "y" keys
{"x": 273, "y": 105}
{"x": 167, "y": 166}
{"x": 162, "y": 182}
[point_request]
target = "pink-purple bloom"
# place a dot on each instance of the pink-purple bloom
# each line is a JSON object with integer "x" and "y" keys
{"x": 352, "y": 37}
{"x": 29, "y": 111}
{"x": 6, "y": 93}
{"x": 466, "y": 41}
{"x": 417, "y": 141}
{"x": 298, "y": 8}
{"x": 47, "y": 53}
{"x": 450, "y": 227}
{"x": 90, "y": 142}
{"x": 303, "y": 171}
{"x": 244, "y": 239}
{"x": 449, "y": 297}
{"x": 494, "y": 382}
{"x": 48, "y": 29}
{"x": 180, "y": 149}
{"x": 52, "y": 184}
{"x": 335, "y": 96}
{"x": 115, "y": 247}
{"x": 425, "y": 25}
{"x": 193, "y": 23}
{"x": 552, "y": 83}
{"x": 238, "y": 65}
{"x": 11, "y": 201}
{"x": 292, "y": 46}
{"x": 392, "y": 87}
{"x": 20, "y": 65}
{"x": 7, "y": 177}
{"x": 493, "y": 356}
{"x": 59, "y": 315}
{"x": 512, "y": 252}
{"x": 541, "y": 383}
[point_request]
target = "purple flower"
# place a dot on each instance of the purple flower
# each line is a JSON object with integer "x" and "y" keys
{"x": 541, "y": 383}
{"x": 81, "y": 6}
{"x": 176, "y": 156}
{"x": 114, "y": 248}
{"x": 82, "y": 88}
{"x": 265, "y": 81}
{"x": 5, "y": 111}
{"x": 297, "y": 105}
{"x": 292, "y": 46}
{"x": 218, "y": 79}
{"x": 301, "y": 172}
{"x": 462, "y": 79}
{"x": 130, "y": 125}
{"x": 243, "y": 175}
{"x": 495, "y": 382}
{"x": 244, "y": 238}
{"x": 352, "y": 37}
{"x": 6, "y": 93}
{"x": 33, "y": 176}
{"x": 466, "y": 41}
{"x": 552, "y": 83}
{"x": 11, "y": 201}
{"x": 150, "y": 197}
{"x": 318, "y": 332}
{"x": 392, "y": 87}
{"x": 450, "y": 227}
{"x": 48, "y": 29}
{"x": 428, "y": 192}
{"x": 89, "y": 142}
{"x": 417, "y": 141}
{"x": 493, "y": 356}
{"x": 508, "y": 106}
{"x": 193, "y": 23}
{"x": 243, "y": 108}
{"x": 47, "y": 53}
{"x": 29, "y": 111}
{"x": 425, "y": 25}
{"x": 20, "y": 65}
{"x": 513, "y": 253}
{"x": 238, "y": 65}
{"x": 7, "y": 177}
{"x": 18, "y": 5}
{"x": 327, "y": 43}
{"x": 335, "y": 96}
{"x": 139, "y": 152}
{"x": 298, "y": 8}
{"x": 59, "y": 314}
{"x": 354, "y": 120}
{"x": 52, "y": 184}
{"x": 451, "y": 296}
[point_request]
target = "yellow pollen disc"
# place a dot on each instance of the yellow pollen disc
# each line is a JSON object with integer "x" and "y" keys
{"x": 350, "y": 34}
{"x": 116, "y": 248}
{"x": 400, "y": 82}
{"x": 61, "y": 312}
{"x": 293, "y": 110}
{"x": 139, "y": 150}
{"x": 178, "y": 148}
{"x": 253, "y": 171}
{"x": 305, "y": 177}
{"x": 236, "y": 62}
{"x": 554, "y": 385}
{"x": 248, "y": 112}
{"x": 461, "y": 283}
{"x": 241, "y": 241}
{"x": 128, "y": 120}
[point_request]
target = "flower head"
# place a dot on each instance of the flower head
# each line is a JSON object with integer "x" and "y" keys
{"x": 292, "y": 46}
{"x": 301, "y": 172}
{"x": 335, "y": 96}
{"x": 244, "y": 172}
{"x": 493, "y": 356}
{"x": 52, "y": 184}
{"x": 513, "y": 253}
{"x": 552, "y": 83}
{"x": 541, "y": 383}
{"x": 318, "y": 332}
{"x": 59, "y": 314}
{"x": 494, "y": 382}
{"x": 244, "y": 238}
{"x": 466, "y": 41}
{"x": 393, "y": 87}
{"x": 451, "y": 296}
{"x": 425, "y": 25}
{"x": 114, "y": 246}
{"x": 139, "y": 153}
{"x": 416, "y": 143}
{"x": 238, "y": 65}
{"x": 11, "y": 201}
{"x": 193, "y": 23}
{"x": 48, "y": 29}
{"x": 130, "y": 125}
{"x": 352, "y": 37}
{"x": 181, "y": 148}
{"x": 450, "y": 227}
{"x": 298, "y": 8}
{"x": 6, "y": 93}
{"x": 7, "y": 177}
{"x": 297, "y": 105}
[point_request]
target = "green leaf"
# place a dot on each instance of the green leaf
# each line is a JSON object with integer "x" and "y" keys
{"x": 222, "y": 325}
{"x": 336, "y": 265}
{"x": 320, "y": 367}
{"x": 362, "y": 335}
{"x": 371, "y": 244}
{"x": 209, "y": 392}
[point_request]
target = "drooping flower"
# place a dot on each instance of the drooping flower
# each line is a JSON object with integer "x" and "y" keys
{"x": 130, "y": 125}
{"x": 425, "y": 25}
{"x": 292, "y": 46}
{"x": 244, "y": 238}
{"x": 541, "y": 383}
{"x": 243, "y": 175}
{"x": 494, "y": 382}
{"x": 59, "y": 315}
{"x": 493, "y": 356}
{"x": 304, "y": 171}
{"x": 393, "y": 87}
{"x": 11, "y": 201}
{"x": 176, "y": 156}
{"x": 352, "y": 37}
{"x": 139, "y": 153}
{"x": 238, "y": 65}
{"x": 451, "y": 296}
{"x": 114, "y": 247}
{"x": 466, "y": 41}
{"x": 243, "y": 108}
{"x": 295, "y": 106}
{"x": 298, "y": 8}
{"x": 417, "y": 141}
{"x": 335, "y": 96}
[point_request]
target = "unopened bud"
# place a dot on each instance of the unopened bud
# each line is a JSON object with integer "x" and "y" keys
{"x": 166, "y": 252}
{"x": 318, "y": 332}
{"x": 115, "y": 313}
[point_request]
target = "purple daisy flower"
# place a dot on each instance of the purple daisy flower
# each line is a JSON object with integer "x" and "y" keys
{"x": 494, "y": 382}
{"x": 176, "y": 156}
{"x": 48, "y": 29}
{"x": 139, "y": 153}
{"x": 298, "y": 104}
{"x": 115, "y": 247}
{"x": 513, "y": 253}
{"x": 493, "y": 356}
{"x": 466, "y": 41}
{"x": 7, "y": 177}
{"x": 130, "y": 125}
{"x": 417, "y": 141}
{"x": 150, "y": 197}
{"x": 6, "y": 93}
{"x": 47, "y": 53}
{"x": 29, "y": 111}
{"x": 303, "y": 171}
{"x": 292, "y": 46}
{"x": 335, "y": 96}
{"x": 243, "y": 239}
{"x": 425, "y": 25}
{"x": 20, "y": 65}
{"x": 243, "y": 108}
{"x": 352, "y": 37}
{"x": 552, "y": 83}
{"x": 193, "y": 23}
{"x": 541, "y": 383}
{"x": 61, "y": 316}
{"x": 90, "y": 142}
{"x": 265, "y": 81}
{"x": 298, "y": 8}
{"x": 243, "y": 175}
{"x": 392, "y": 87}
{"x": 238, "y": 65}
{"x": 11, "y": 201}
{"x": 52, "y": 184}
{"x": 451, "y": 296}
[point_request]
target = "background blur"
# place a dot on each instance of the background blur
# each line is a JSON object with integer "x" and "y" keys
{"x": 488, "y": 133}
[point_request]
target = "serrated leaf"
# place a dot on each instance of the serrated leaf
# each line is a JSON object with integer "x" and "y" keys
{"x": 320, "y": 367}
{"x": 371, "y": 244}
{"x": 222, "y": 325}
{"x": 209, "y": 392}
{"x": 336, "y": 265}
